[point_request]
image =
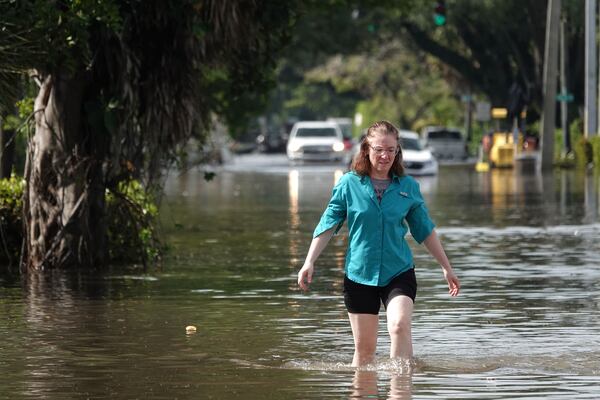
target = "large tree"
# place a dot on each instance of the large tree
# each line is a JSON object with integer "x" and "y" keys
{"x": 122, "y": 84}
{"x": 495, "y": 44}
{"x": 484, "y": 47}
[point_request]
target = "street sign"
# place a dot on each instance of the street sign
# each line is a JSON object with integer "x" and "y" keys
{"x": 499, "y": 113}
{"x": 483, "y": 111}
{"x": 566, "y": 97}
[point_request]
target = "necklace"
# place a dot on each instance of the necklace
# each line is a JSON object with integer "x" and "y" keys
{"x": 380, "y": 185}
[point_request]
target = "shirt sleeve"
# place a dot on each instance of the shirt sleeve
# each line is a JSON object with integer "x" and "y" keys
{"x": 418, "y": 219}
{"x": 335, "y": 213}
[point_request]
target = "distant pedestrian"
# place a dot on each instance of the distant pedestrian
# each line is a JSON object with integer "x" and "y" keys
{"x": 378, "y": 200}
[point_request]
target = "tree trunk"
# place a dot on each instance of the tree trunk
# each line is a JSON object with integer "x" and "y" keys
{"x": 64, "y": 196}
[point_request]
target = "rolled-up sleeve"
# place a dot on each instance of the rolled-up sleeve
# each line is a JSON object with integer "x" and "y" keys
{"x": 335, "y": 213}
{"x": 418, "y": 219}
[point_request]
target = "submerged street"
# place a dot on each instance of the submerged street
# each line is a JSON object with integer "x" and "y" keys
{"x": 525, "y": 325}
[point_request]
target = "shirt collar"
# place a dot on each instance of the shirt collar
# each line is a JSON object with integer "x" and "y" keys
{"x": 395, "y": 178}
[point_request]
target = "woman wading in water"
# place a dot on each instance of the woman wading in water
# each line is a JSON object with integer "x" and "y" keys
{"x": 378, "y": 201}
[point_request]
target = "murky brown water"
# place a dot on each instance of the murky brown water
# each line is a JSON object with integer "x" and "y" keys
{"x": 527, "y": 324}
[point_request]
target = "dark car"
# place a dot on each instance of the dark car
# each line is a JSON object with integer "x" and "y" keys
{"x": 271, "y": 142}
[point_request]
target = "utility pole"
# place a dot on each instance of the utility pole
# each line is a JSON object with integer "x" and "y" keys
{"x": 564, "y": 104}
{"x": 468, "y": 100}
{"x": 550, "y": 75}
{"x": 590, "y": 123}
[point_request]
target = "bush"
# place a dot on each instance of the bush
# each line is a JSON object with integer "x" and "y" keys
{"x": 11, "y": 223}
{"x": 583, "y": 153}
{"x": 131, "y": 218}
{"x": 595, "y": 144}
{"x": 575, "y": 135}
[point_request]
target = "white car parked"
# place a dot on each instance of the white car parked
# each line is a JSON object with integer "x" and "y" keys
{"x": 316, "y": 141}
{"x": 418, "y": 159}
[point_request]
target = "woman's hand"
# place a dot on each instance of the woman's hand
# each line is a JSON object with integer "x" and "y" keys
{"x": 305, "y": 275}
{"x": 316, "y": 247}
{"x": 453, "y": 282}
{"x": 434, "y": 246}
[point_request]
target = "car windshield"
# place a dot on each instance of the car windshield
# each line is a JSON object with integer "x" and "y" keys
{"x": 410, "y": 144}
{"x": 316, "y": 132}
{"x": 444, "y": 134}
{"x": 346, "y": 131}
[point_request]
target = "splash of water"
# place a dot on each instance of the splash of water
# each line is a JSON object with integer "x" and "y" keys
{"x": 392, "y": 366}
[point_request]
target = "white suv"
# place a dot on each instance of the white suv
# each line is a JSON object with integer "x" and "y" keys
{"x": 316, "y": 141}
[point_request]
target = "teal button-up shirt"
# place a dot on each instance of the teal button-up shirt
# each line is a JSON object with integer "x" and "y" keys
{"x": 377, "y": 250}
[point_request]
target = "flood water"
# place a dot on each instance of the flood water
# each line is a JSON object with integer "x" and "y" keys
{"x": 526, "y": 325}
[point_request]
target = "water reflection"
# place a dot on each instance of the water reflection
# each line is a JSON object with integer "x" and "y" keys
{"x": 366, "y": 385}
{"x": 301, "y": 190}
{"x": 505, "y": 197}
{"x": 41, "y": 315}
{"x": 591, "y": 197}
{"x": 294, "y": 217}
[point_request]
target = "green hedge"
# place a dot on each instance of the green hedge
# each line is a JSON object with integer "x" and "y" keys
{"x": 132, "y": 214}
{"x": 11, "y": 226}
{"x": 583, "y": 153}
{"x": 586, "y": 151}
{"x": 595, "y": 150}
{"x": 131, "y": 217}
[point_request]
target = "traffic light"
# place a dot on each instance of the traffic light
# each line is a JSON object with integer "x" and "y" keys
{"x": 439, "y": 13}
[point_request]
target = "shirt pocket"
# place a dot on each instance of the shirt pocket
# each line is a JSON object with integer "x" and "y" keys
{"x": 404, "y": 204}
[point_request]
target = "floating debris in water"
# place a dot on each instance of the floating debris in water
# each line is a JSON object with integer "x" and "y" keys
{"x": 190, "y": 329}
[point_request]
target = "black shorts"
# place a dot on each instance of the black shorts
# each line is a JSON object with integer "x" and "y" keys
{"x": 365, "y": 299}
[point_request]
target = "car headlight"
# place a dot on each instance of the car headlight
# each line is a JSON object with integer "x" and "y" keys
{"x": 295, "y": 147}
{"x": 338, "y": 146}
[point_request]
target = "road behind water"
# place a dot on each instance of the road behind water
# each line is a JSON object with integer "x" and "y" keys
{"x": 527, "y": 324}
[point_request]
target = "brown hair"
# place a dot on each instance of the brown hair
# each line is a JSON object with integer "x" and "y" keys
{"x": 361, "y": 163}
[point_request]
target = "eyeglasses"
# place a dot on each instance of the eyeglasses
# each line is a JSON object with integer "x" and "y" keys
{"x": 380, "y": 150}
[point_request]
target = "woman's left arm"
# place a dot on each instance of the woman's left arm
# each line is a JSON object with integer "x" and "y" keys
{"x": 434, "y": 246}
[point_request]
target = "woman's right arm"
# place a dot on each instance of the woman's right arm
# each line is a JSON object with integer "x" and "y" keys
{"x": 316, "y": 248}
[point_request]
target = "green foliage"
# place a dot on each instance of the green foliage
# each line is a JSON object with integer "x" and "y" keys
{"x": 477, "y": 133}
{"x": 317, "y": 101}
{"x": 561, "y": 159}
{"x": 575, "y": 135}
{"x": 595, "y": 144}
{"x": 321, "y": 30}
{"x": 348, "y": 57}
{"x": 236, "y": 106}
{"x": 11, "y": 211}
{"x": 395, "y": 84}
{"x": 484, "y": 47}
{"x": 21, "y": 123}
{"x": 566, "y": 161}
{"x": 132, "y": 216}
{"x": 11, "y": 123}
{"x": 583, "y": 153}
